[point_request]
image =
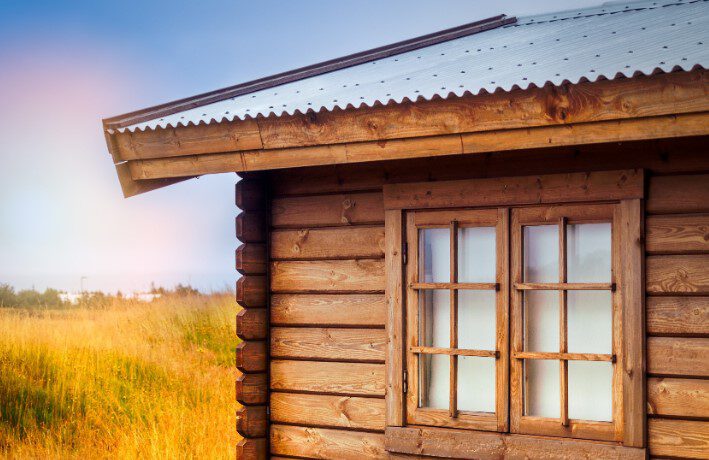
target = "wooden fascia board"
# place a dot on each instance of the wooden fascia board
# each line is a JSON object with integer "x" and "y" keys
{"x": 675, "y": 93}
{"x": 657, "y": 127}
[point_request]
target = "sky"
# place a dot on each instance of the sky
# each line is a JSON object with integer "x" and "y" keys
{"x": 65, "y": 65}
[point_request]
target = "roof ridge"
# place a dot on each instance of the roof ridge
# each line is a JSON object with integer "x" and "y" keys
{"x": 591, "y": 11}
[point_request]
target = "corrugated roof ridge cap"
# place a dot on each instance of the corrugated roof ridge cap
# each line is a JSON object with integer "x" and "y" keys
{"x": 581, "y": 13}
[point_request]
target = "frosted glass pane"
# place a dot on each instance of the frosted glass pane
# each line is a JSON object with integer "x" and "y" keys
{"x": 588, "y": 249}
{"x": 476, "y": 320}
{"x": 434, "y": 383}
{"x": 590, "y": 322}
{"x": 476, "y": 384}
{"x": 541, "y": 321}
{"x": 434, "y": 255}
{"x": 476, "y": 255}
{"x": 590, "y": 390}
{"x": 542, "y": 396}
{"x": 541, "y": 254}
{"x": 434, "y": 318}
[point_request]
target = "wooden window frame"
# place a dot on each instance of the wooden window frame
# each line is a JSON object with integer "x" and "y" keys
{"x": 623, "y": 189}
{"x": 453, "y": 417}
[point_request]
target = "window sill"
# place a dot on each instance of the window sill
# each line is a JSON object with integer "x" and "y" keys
{"x": 449, "y": 443}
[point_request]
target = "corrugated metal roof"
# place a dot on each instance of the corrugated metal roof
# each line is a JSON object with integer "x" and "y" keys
{"x": 609, "y": 41}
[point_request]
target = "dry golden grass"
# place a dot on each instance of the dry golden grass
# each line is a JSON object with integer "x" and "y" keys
{"x": 133, "y": 380}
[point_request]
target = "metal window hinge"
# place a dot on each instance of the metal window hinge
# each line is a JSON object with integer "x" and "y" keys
{"x": 405, "y": 252}
{"x": 406, "y": 382}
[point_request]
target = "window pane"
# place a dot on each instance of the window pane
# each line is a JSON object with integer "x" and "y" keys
{"x": 541, "y": 254}
{"x": 434, "y": 255}
{"x": 476, "y": 320}
{"x": 541, "y": 321}
{"x": 434, "y": 384}
{"x": 590, "y": 390}
{"x": 434, "y": 318}
{"x": 476, "y": 384}
{"x": 542, "y": 397}
{"x": 590, "y": 322}
{"x": 589, "y": 253}
{"x": 476, "y": 255}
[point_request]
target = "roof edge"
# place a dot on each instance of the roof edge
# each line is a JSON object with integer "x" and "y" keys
{"x": 169, "y": 108}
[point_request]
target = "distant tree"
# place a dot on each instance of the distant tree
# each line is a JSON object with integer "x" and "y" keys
{"x": 184, "y": 290}
{"x": 7, "y": 296}
{"x": 51, "y": 299}
{"x": 157, "y": 290}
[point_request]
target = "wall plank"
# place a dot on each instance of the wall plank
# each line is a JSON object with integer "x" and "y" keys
{"x": 326, "y": 443}
{"x": 328, "y": 243}
{"x": 678, "y": 397}
{"x": 678, "y": 274}
{"x": 678, "y": 438}
{"x": 678, "y": 315}
{"x": 328, "y": 210}
{"x": 366, "y": 275}
{"x": 321, "y": 410}
{"x": 678, "y": 194}
{"x": 328, "y": 309}
{"x": 680, "y": 234}
{"x": 324, "y": 377}
{"x": 328, "y": 343}
{"x": 678, "y": 356}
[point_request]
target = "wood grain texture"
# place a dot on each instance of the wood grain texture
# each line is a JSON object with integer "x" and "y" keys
{"x": 366, "y": 275}
{"x": 678, "y": 194}
{"x": 678, "y": 316}
{"x": 252, "y": 421}
{"x": 252, "y": 323}
{"x": 328, "y": 310}
{"x": 678, "y": 438}
{"x": 252, "y": 449}
{"x": 553, "y": 188}
{"x": 328, "y": 210}
{"x": 448, "y": 443}
{"x": 678, "y": 356}
{"x": 678, "y": 397}
{"x": 251, "y": 259}
{"x": 251, "y": 194}
{"x": 252, "y": 389}
{"x": 252, "y": 291}
{"x": 686, "y": 274}
{"x": 252, "y": 227}
{"x": 395, "y": 356}
{"x": 328, "y": 411}
{"x": 680, "y": 234}
{"x": 252, "y": 356}
{"x": 323, "y": 443}
{"x": 328, "y": 343}
{"x": 324, "y": 377}
{"x": 328, "y": 243}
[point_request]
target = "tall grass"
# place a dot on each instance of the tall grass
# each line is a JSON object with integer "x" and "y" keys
{"x": 134, "y": 380}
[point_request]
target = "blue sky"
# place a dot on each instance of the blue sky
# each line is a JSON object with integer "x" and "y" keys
{"x": 66, "y": 64}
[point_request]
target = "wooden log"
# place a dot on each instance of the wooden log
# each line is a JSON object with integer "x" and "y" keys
{"x": 252, "y": 324}
{"x": 395, "y": 356}
{"x": 252, "y": 389}
{"x": 252, "y": 227}
{"x": 681, "y": 234}
{"x": 326, "y": 443}
{"x": 332, "y": 411}
{"x": 252, "y": 356}
{"x": 252, "y": 449}
{"x": 251, "y": 259}
{"x": 251, "y": 194}
{"x": 328, "y": 344}
{"x": 327, "y": 377}
{"x": 252, "y": 421}
{"x": 678, "y": 397}
{"x": 328, "y": 310}
{"x": 449, "y": 443}
{"x": 552, "y": 188}
{"x": 252, "y": 291}
{"x": 678, "y": 194}
{"x": 678, "y": 438}
{"x": 678, "y": 316}
{"x": 328, "y": 243}
{"x": 678, "y": 274}
{"x": 328, "y": 276}
{"x": 678, "y": 356}
{"x": 327, "y": 210}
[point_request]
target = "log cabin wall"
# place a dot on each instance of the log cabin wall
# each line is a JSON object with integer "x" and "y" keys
{"x": 327, "y": 306}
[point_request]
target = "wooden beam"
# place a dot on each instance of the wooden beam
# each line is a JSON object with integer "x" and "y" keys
{"x": 252, "y": 323}
{"x": 678, "y": 438}
{"x": 252, "y": 259}
{"x": 252, "y": 421}
{"x": 332, "y": 344}
{"x": 678, "y": 274}
{"x": 328, "y": 243}
{"x": 678, "y": 316}
{"x": 328, "y": 210}
{"x": 323, "y": 410}
{"x": 301, "y": 442}
{"x": 675, "y": 356}
{"x": 252, "y": 449}
{"x": 678, "y": 194}
{"x": 366, "y": 275}
{"x": 354, "y": 379}
{"x": 394, "y": 275}
{"x": 364, "y": 310}
{"x": 252, "y": 389}
{"x": 678, "y": 234}
{"x": 678, "y": 397}
{"x": 251, "y": 291}
{"x": 252, "y": 356}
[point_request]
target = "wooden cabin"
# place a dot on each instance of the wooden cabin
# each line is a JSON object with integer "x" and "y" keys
{"x": 488, "y": 242}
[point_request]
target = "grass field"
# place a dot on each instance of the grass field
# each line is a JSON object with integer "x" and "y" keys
{"x": 132, "y": 380}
